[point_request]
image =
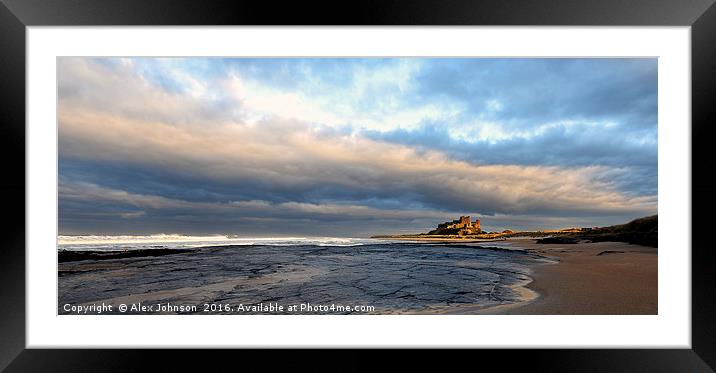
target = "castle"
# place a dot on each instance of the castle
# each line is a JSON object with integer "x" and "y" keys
{"x": 461, "y": 226}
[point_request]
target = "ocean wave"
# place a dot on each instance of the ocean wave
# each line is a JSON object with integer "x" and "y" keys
{"x": 177, "y": 241}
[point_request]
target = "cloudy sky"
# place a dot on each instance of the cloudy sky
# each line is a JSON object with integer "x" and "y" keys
{"x": 353, "y": 147}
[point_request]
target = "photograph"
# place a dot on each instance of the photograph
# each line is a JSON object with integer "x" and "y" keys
{"x": 357, "y": 185}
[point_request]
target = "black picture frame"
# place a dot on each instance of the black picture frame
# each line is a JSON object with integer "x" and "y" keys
{"x": 16, "y": 15}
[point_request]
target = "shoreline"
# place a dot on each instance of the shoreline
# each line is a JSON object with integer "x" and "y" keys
{"x": 600, "y": 278}
{"x": 440, "y": 239}
{"x": 585, "y": 278}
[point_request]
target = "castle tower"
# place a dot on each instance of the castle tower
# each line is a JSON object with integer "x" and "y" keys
{"x": 465, "y": 220}
{"x": 476, "y": 225}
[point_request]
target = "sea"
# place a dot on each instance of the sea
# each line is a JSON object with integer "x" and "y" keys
{"x": 288, "y": 275}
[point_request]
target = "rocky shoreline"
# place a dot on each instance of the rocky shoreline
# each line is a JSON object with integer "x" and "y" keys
{"x": 394, "y": 278}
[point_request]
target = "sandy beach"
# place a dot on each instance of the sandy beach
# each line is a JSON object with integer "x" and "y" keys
{"x": 593, "y": 279}
{"x": 603, "y": 278}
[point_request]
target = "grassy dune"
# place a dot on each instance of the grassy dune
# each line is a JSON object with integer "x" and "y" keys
{"x": 642, "y": 231}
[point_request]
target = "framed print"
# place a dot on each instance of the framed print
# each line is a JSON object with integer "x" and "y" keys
{"x": 427, "y": 175}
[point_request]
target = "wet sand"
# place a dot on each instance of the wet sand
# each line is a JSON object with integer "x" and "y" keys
{"x": 443, "y": 239}
{"x": 602, "y": 278}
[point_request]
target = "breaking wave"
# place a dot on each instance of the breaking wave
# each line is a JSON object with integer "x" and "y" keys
{"x": 177, "y": 241}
